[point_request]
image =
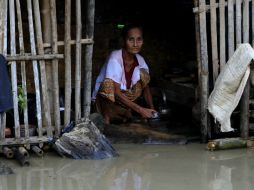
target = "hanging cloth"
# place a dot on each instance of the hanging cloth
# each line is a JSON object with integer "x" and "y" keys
{"x": 6, "y": 101}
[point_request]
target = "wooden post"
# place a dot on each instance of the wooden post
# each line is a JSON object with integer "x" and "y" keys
{"x": 23, "y": 67}
{"x": 244, "y": 117}
{"x": 222, "y": 34}
{"x": 88, "y": 57}
{"x": 78, "y": 61}
{"x": 67, "y": 54}
{"x": 35, "y": 67}
{"x": 14, "y": 68}
{"x": 231, "y": 34}
{"x": 204, "y": 91}
{"x": 42, "y": 67}
{"x": 55, "y": 67}
{"x": 214, "y": 44}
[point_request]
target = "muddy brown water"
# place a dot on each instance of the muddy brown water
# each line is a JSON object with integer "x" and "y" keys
{"x": 139, "y": 167}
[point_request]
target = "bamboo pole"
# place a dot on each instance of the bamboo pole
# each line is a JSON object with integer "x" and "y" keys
{"x": 252, "y": 24}
{"x": 1, "y": 26}
{"x": 23, "y": 66}
{"x": 37, "y": 150}
{"x": 55, "y": 67}
{"x": 67, "y": 54}
{"x": 204, "y": 73}
{"x": 5, "y": 17}
{"x": 72, "y": 42}
{"x": 8, "y": 152}
{"x": 214, "y": 44}
{"x": 231, "y": 34}
{"x": 78, "y": 61}
{"x": 30, "y": 57}
{"x": 43, "y": 75}
{"x": 22, "y": 141}
{"x": 46, "y": 34}
{"x": 198, "y": 53}
{"x": 21, "y": 158}
{"x": 208, "y": 7}
{"x": 197, "y": 27}
{"x": 2, "y": 127}
{"x": 88, "y": 57}
{"x": 14, "y": 68}
{"x": 5, "y": 39}
{"x": 35, "y": 68}
{"x": 244, "y": 116}
{"x": 238, "y": 22}
{"x": 222, "y": 34}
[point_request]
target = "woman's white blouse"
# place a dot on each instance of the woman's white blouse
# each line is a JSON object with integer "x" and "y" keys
{"x": 113, "y": 69}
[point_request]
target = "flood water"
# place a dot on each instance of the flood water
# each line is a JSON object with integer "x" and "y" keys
{"x": 139, "y": 167}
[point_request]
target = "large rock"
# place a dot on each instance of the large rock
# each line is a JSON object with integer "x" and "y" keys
{"x": 85, "y": 141}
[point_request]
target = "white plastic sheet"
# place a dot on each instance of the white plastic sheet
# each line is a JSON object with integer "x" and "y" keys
{"x": 229, "y": 86}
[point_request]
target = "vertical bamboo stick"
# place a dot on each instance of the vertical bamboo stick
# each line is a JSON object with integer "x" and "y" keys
{"x": 42, "y": 67}
{"x": 78, "y": 61}
{"x": 46, "y": 32}
{"x": 222, "y": 34}
{"x": 67, "y": 55}
{"x": 2, "y": 127}
{"x": 14, "y": 68}
{"x": 197, "y": 27}
{"x": 55, "y": 67}
{"x": 1, "y": 25}
{"x": 5, "y": 40}
{"x": 5, "y": 18}
{"x": 244, "y": 117}
{"x": 23, "y": 66}
{"x": 231, "y": 34}
{"x": 214, "y": 40}
{"x": 35, "y": 67}
{"x": 88, "y": 57}
{"x": 252, "y": 24}
{"x": 238, "y": 22}
{"x": 204, "y": 72}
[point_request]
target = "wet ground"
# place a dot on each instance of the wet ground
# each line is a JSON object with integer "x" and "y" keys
{"x": 139, "y": 167}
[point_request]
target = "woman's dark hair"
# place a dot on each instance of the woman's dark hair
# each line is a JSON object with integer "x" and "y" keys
{"x": 128, "y": 27}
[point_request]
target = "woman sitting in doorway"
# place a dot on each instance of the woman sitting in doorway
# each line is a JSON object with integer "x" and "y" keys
{"x": 123, "y": 78}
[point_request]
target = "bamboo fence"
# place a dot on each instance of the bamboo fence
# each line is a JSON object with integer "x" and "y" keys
{"x": 220, "y": 26}
{"x": 19, "y": 56}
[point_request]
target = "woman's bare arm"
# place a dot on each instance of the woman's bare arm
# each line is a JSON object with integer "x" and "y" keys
{"x": 148, "y": 97}
{"x": 144, "y": 112}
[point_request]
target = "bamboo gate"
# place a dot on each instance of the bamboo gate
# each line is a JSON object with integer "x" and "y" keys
{"x": 40, "y": 51}
{"x": 220, "y": 26}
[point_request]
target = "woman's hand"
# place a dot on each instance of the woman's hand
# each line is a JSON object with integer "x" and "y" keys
{"x": 147, "y": 113}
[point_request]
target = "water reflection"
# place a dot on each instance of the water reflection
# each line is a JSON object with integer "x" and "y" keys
{"x": 59, "y": 173}
{"x": 222, "y": 179}
{"x": 138, "y": 168}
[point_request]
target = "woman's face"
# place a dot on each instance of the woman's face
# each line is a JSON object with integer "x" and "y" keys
{"x": 134, "y": 41}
